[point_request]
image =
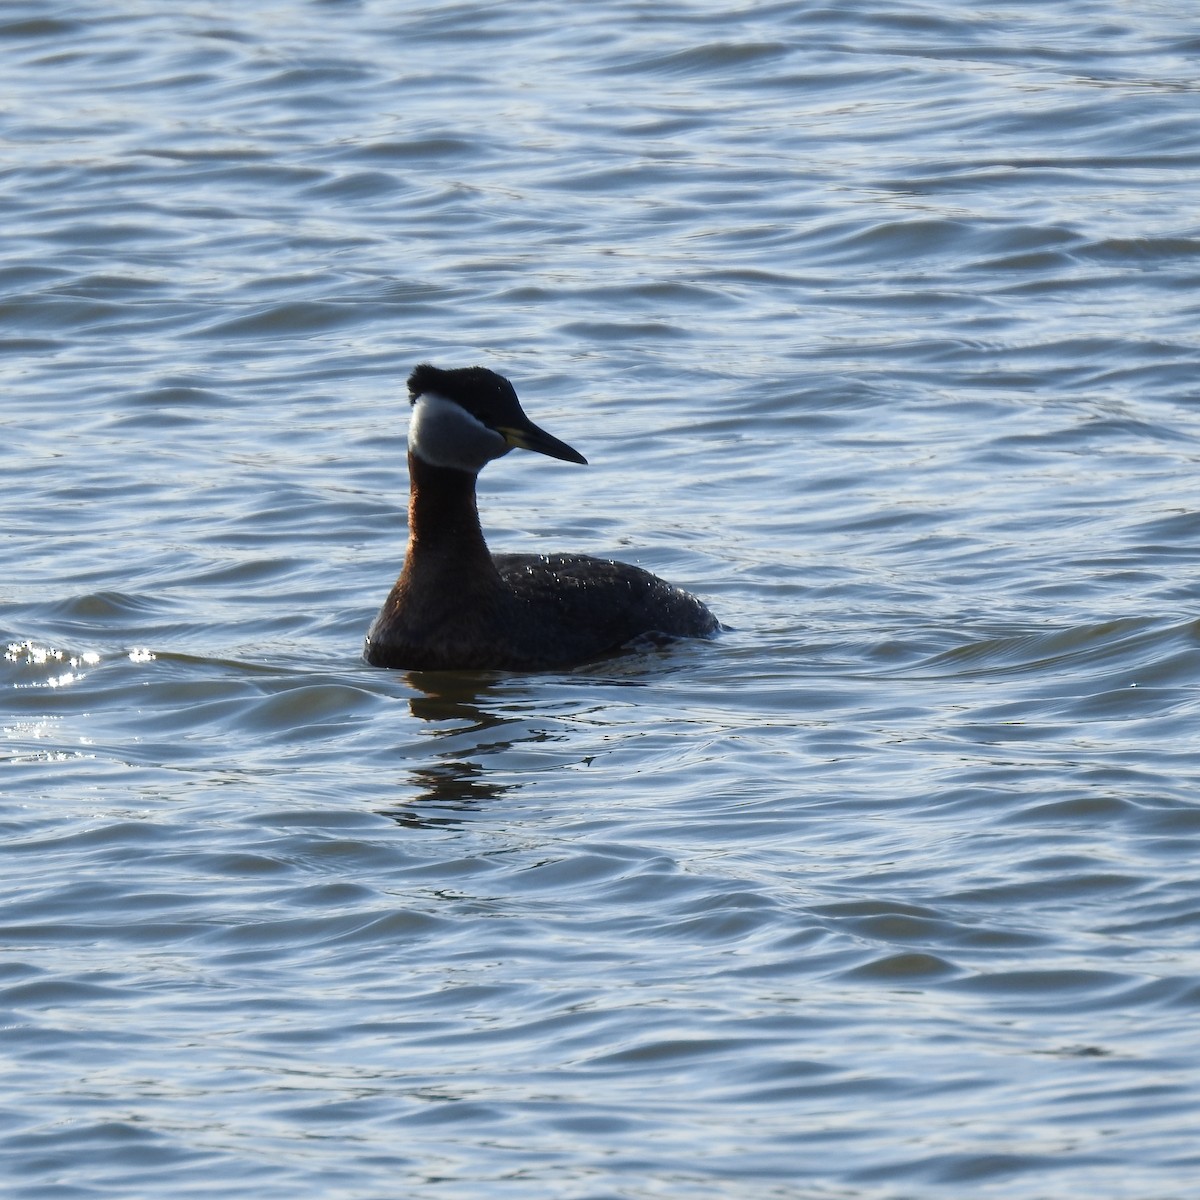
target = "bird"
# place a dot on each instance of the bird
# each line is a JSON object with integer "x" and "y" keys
{"x": 456, "y": 606}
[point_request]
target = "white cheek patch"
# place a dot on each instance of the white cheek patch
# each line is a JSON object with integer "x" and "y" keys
{"x": 444, "y": 434}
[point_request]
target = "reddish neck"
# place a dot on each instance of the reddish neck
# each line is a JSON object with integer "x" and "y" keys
{"x": 443, "y": 519}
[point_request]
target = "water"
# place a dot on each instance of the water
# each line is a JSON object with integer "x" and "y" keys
{"x": 878, "y": 327}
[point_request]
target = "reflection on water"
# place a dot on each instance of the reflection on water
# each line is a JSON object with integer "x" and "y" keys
{"x": 479, "y": 730}
{"x": 453, "y": 696}
{"x": 434, "y": 794}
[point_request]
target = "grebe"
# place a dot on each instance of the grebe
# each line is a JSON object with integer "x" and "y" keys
{"x": 456, "y": 606}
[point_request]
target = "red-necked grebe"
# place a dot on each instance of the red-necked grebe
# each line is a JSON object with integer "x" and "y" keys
{"x": 458, "y": 607}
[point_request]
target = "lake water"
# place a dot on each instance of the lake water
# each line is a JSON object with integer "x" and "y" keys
{"x": 880, "y": 328}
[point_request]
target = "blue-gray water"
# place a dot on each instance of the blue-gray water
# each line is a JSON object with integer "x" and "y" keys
{"x": 879, "y": 326}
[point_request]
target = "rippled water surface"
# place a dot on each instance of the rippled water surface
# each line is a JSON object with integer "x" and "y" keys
{"x": 879, "y": 327}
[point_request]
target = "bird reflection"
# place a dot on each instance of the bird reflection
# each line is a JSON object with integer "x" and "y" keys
{"x": 460, "y": 781}
{"x": 446, "y": 794}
